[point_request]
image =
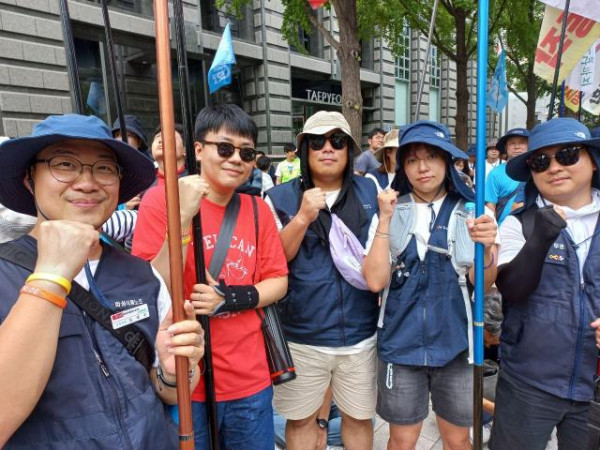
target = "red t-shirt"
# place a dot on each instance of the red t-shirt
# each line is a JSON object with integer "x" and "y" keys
{"x": 239, "y": 358}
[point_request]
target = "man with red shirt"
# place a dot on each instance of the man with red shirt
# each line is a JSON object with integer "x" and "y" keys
{"x": 225, "y": 137}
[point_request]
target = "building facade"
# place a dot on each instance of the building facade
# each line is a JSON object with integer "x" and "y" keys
{"x": 279, "y": 86}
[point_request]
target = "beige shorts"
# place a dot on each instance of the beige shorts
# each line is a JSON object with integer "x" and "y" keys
{"x": 352, "y": 379}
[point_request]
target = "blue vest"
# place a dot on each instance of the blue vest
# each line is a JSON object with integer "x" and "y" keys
{"x": 425, "y": 322}
{"x": 547, "y": 341}
{"x": 321, "y": 308}
{"x": 382, "y": 178}
{"x": 81, "y": 407}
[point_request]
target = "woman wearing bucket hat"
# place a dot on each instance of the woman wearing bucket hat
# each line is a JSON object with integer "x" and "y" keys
{"x": 330, "y": 323}
{"x": 548, "y": 273}
{"x": 50, "y": 350}
{"x": 386, "y": 156}
{"x": 420, "y": 244}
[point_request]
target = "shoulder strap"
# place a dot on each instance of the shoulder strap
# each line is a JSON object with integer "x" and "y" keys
{"x": 130, "y": 336}
{"x": 402, "y": 226}
{"x": 527, "y": 219}
{"x": 225, "y": 234}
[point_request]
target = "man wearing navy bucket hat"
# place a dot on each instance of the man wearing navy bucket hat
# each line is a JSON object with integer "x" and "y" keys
{"x": 421, "y": 253}
{"x": 69, "y": 380}
{"x": 549, "y": 290}
{"x": 501, "y": 190}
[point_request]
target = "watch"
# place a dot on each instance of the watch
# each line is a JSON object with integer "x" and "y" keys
{"x": 322, "y": 423}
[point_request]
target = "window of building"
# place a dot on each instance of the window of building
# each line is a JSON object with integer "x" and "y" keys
{"x": 435, "y": 72}
{"x": 214, "y": 19}
{"x": 402, "y": 81}
{"x": 367, "y": 51}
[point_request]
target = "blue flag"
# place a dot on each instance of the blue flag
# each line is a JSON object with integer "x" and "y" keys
{"x": 497, "y": 95}
{"x": 219, "y": 74}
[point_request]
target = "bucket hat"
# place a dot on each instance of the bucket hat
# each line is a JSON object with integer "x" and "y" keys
{"x": 559, "y": 131}
{"x": 323, "y": 122}
{"x": 133, "y": 125}
{"x": 515, "y": 132}
{"x": 16, "y": 156}
{"x": 389, "y": 141}
{"x": 596, "y": 132}
{"x": 436, "y": 135}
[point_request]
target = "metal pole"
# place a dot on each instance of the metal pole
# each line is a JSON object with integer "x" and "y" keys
{"x": 113, "y": 69}
{"x": 580, "y": 105}
{"x": 71, "y": 58}
{"x": 422, "y": 79}
{"x": 561, "y": 104}
{"x": 167, "y": 121}
{"x": 563, "y": 31}
{"x": 482, "y": 63}
{"x": 188, "y": 125}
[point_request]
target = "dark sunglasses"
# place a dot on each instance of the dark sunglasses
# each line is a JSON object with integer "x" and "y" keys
{"x": 226, "y": 150}
{"x": 566, "y": 156}
{"x": 338, "y": 141}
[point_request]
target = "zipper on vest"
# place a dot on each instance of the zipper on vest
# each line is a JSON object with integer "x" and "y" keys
{"x": 424, "y": 309}
{"x": 103, "y": 367}
{"x": 575, "y": 371}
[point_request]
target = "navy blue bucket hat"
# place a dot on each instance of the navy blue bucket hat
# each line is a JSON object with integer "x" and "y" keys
{"x": 515, "y": 132}
{"x": 138, "y": 172}
{"x": 436, "y": 135}
{"x": 596, "y": 132}
{"x": 559, "y": 131}
{"x": 133, "y": 125}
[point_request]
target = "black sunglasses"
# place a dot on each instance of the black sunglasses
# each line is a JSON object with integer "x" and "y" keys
{"x": 338, "y": 141}
{"x": 566, "y": 156}
{"x": 226, "y": 150}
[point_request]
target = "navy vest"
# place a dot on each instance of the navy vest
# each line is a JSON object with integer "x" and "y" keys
{"x": 382, "y": 178}
{"x": 81, "y": 407}
{"x": 425, "y": 322}
{"x": 547, "y": 341}
{"x": 321, "y": 308}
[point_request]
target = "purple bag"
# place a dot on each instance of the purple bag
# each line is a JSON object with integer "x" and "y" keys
{"x": 347, "y": 253}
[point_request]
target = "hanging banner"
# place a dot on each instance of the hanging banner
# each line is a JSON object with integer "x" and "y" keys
{"x": 591, "y": 97}
{"x": 316, "y": 4}
{"x": 581, "y": 32}
{"x": 582, "y": 79}
{"x": 585, "y": 8}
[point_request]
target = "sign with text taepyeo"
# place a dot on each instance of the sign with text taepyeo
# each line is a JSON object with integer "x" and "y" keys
{"x": 317, "y": 91}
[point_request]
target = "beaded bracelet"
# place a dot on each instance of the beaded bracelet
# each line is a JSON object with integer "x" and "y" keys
{"x": 44, "y": 276}
{"x": 57, "y": 300}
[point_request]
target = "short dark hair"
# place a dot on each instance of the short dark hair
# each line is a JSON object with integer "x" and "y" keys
{"x": 228, "y": 116}
{"x": 375, "y": 131}
{"x": 263, "y": 163}
{"x": 289, "y": 147}
{"x": 178, "y": 127}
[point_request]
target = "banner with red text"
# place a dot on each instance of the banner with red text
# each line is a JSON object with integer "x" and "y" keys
{"x": 580, "y": 34}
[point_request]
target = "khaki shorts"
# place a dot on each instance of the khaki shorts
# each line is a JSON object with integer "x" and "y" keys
{"x": 352, "y": 379}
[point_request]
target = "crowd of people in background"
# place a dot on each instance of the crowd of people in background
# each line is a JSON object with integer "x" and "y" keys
{"x": 368, "y": 256}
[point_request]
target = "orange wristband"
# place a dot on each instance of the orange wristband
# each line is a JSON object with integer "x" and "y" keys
{"x": 57, "y": 300}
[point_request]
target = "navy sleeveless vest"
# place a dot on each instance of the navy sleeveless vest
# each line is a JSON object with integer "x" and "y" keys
{"x": 425, "y": 322}
{"x": 82, "y": 407}
{"x": 321, "y": 308}
{"x": 547, "y": 341}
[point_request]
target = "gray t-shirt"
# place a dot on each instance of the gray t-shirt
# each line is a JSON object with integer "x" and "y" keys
{"x": 366, "y": 162}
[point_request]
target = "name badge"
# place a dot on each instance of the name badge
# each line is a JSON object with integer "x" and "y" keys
{"x": 128, "y": 316}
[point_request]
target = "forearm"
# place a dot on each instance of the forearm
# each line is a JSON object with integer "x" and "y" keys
{"x": 168, "y": 394}
{"x": 271, "y": 290}
{"x": 28, "y": 343}
{"x": 162, "y": 264}
{"x": 519, "y": 278}
{"x": 292, "y": 236}
{"x": 490, "y": 262}
{"x": 377, "y": 264}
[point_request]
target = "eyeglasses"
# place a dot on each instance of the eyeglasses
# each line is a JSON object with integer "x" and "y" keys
{"x": 67, "y": 169}
{"x": 226, "y": 150}
{"x": 566, "y": 156}
{"x": 338, "y": 141}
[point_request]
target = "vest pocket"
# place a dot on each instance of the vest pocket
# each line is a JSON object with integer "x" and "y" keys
{"x": 70, "y": 325}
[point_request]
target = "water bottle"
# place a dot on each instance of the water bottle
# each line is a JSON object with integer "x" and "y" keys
{"x": 470, "y": 211}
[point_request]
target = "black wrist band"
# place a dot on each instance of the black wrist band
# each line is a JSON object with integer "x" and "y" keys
{"x": 237, "y": 298}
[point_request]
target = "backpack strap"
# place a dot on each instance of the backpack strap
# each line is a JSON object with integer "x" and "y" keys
{"x": 225, "y": 234}
{"x": 527, "y": 219}
{"x": 462, "y": 251}
{"x": 130, "y": 336}
{"x": 402, "y": 229}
